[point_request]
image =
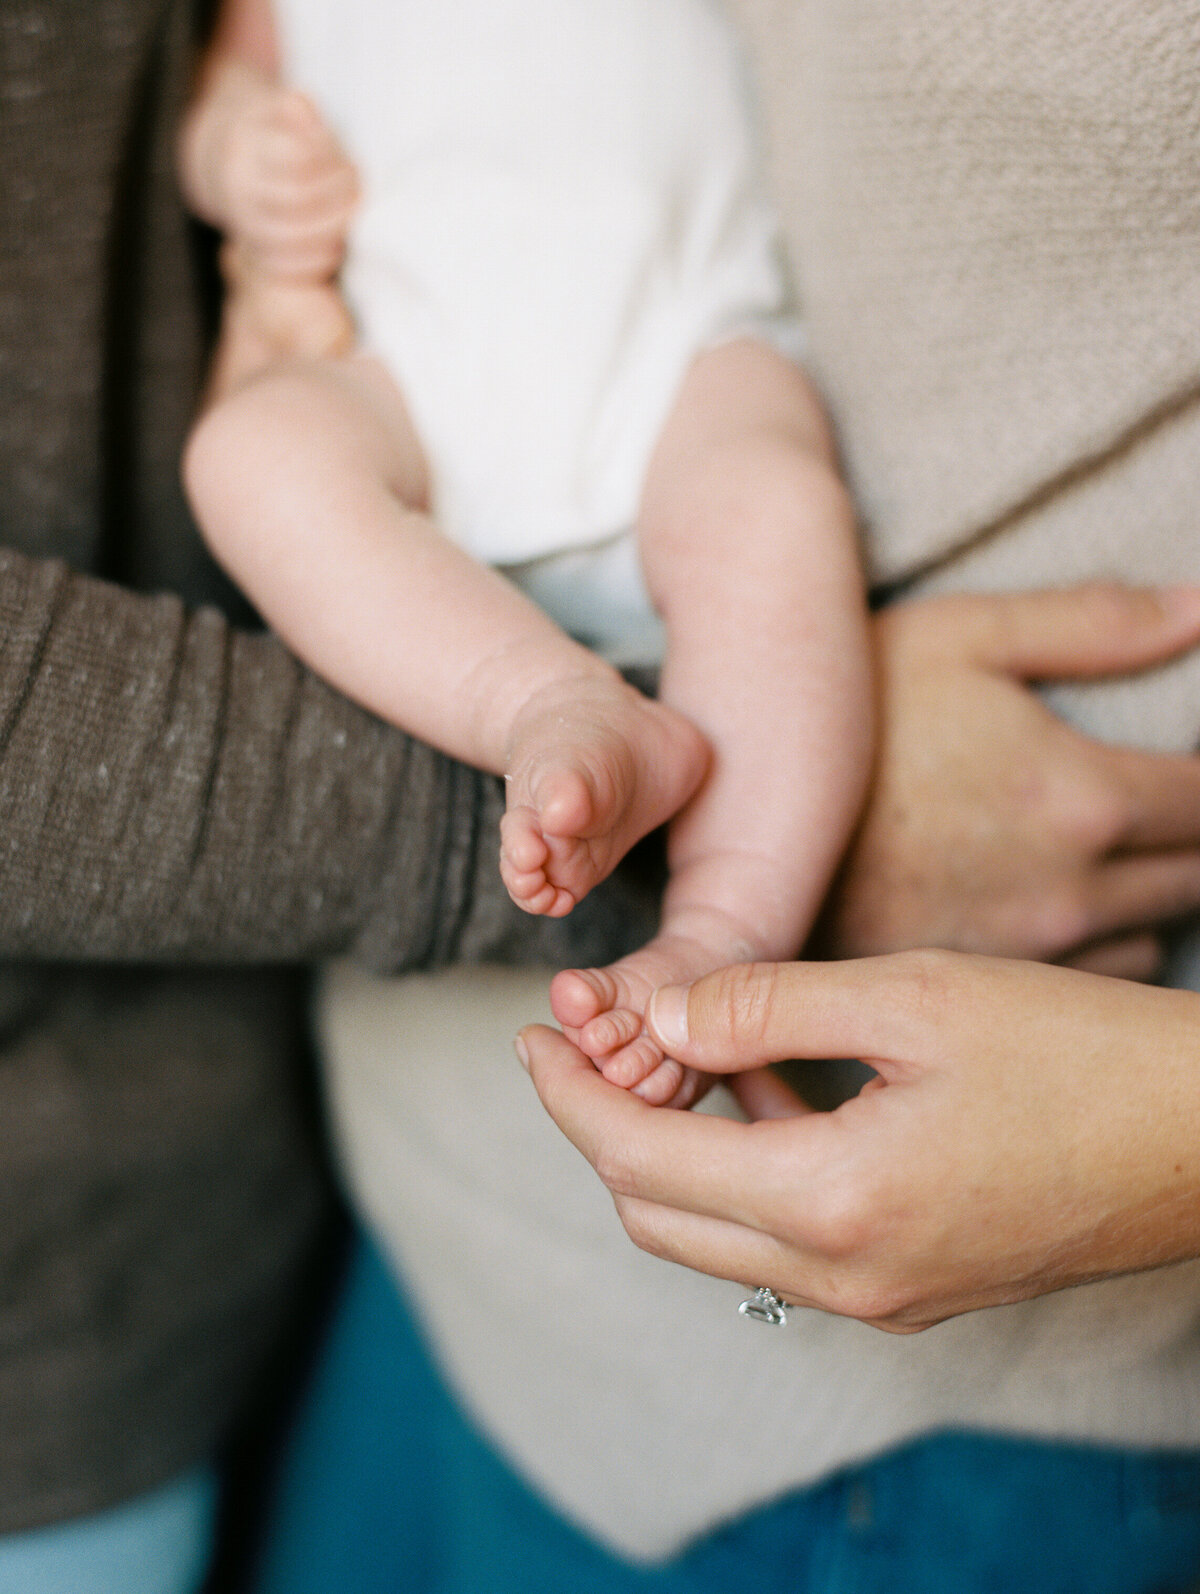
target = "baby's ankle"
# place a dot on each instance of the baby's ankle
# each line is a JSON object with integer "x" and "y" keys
{"x": 558, "y": 700}
{"x": 740, "y": 905}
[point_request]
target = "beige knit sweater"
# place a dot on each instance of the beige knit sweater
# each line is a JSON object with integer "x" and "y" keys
{"x": 991, "y": 214}
{"x": 991, "y": 211}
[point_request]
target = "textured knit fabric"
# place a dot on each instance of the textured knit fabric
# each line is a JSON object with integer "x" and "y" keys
{"x": 957, "y": 182}
{"x": 171, "y": 791}
{"x": 991, "y": 211}
{"x": 991, "y": 215}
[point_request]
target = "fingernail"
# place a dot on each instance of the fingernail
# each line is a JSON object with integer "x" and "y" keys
{"x": 522, "y": 1052}
{"x": 667, "y": 1011}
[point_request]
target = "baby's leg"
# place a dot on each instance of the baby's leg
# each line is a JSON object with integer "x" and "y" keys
{"x": 311, "y": 486}
{"x": 749, "y": 551}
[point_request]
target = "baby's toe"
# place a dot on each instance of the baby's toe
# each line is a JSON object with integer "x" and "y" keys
{"x": 662, "y": 1087}
{"x": 633, "y": 1064}
{"x": 539, "y": 902}
{"x": 608, "y": 1032}
{"x": 522, "y": 886}
{"x": 578, "y": 995}
{"x": 522, "y": 844}
{"x": 562, "y": 904}
{"x": 565, "y": 804}
{"x": 693, "y": 1087}
{"x": 535, "y": 894}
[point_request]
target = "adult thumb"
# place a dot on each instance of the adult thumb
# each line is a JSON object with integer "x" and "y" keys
{"x": 749, "y": 1014}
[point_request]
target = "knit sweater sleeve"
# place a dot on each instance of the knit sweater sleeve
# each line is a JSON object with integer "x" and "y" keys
{"x": 172, "y": 788}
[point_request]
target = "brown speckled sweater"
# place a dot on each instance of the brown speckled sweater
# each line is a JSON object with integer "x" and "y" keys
{"x": 175, "y": 795}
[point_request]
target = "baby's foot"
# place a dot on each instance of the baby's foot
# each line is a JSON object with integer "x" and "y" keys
{"x": 601, "y": 1010}
{"x": 593, "y": 767}
{"x": 267, "y": 319}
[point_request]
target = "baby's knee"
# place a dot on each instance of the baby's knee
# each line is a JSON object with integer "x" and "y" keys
{"x": 262, "y": 418}
{"x": 208, "y": 458}
{"x": 234, "y": 449}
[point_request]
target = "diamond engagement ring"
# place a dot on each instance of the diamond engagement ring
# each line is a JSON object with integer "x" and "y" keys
{"x": 764, "y": 1306}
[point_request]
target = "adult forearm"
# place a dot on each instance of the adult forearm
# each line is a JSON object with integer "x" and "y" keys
{"x": 171, "y": 788}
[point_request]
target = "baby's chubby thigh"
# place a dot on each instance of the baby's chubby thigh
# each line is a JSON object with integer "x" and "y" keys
{"x": 298, "y": 421}
{"x": 379, "y": 394}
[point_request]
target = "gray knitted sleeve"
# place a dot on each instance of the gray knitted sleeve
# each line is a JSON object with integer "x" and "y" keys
{"x": 171, "y": 788}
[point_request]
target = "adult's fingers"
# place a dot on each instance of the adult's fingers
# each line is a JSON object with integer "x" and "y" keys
{"x": 283, "y": 212}
{"x": 293, "y": 266}
{"x": 291, "y": 117}
{"x": 280, "y": 222}
{"x": 1160, "y": 794}
{"x": 748, "y": 1014}
{"x": 1072, "y": 632}
{"x": 310, "y": 259}
{"x": 1130, "y": 957}
{"x": 762, "y": 1094}
{"x": 751, "y": 1258}
{"x": 715, "y": 1246}
{"x": 695, "y": 1162}
{"x": 1146, "y": 889}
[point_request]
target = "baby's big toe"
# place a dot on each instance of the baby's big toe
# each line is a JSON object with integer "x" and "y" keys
{"x": 566, "y": 805}
{"x": 579, "y": 995}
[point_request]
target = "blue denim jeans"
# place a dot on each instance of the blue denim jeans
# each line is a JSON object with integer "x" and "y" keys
{"x": 386, "y": 1487}
{"x": 160, "y": 1543}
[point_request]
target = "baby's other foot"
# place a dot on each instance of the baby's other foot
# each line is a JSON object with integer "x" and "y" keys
{"x": 601, "y": 1011}
{"x": 267, "y": 319}
{"x": 593, "y": 767}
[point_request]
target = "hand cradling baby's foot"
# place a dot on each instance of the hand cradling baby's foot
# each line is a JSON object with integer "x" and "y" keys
{"x": 601, "y": 1010}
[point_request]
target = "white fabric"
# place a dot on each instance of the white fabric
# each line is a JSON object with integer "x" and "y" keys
{"x": 598, "y": 594}
{"x": 561, "y": 208}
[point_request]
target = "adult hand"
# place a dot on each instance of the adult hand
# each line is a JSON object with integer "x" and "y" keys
{"x": 993, "y": 826}
{"x": 1030, "y": 1128}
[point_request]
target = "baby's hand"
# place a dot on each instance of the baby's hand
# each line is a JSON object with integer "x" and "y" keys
{"x": 279, "y": 183}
